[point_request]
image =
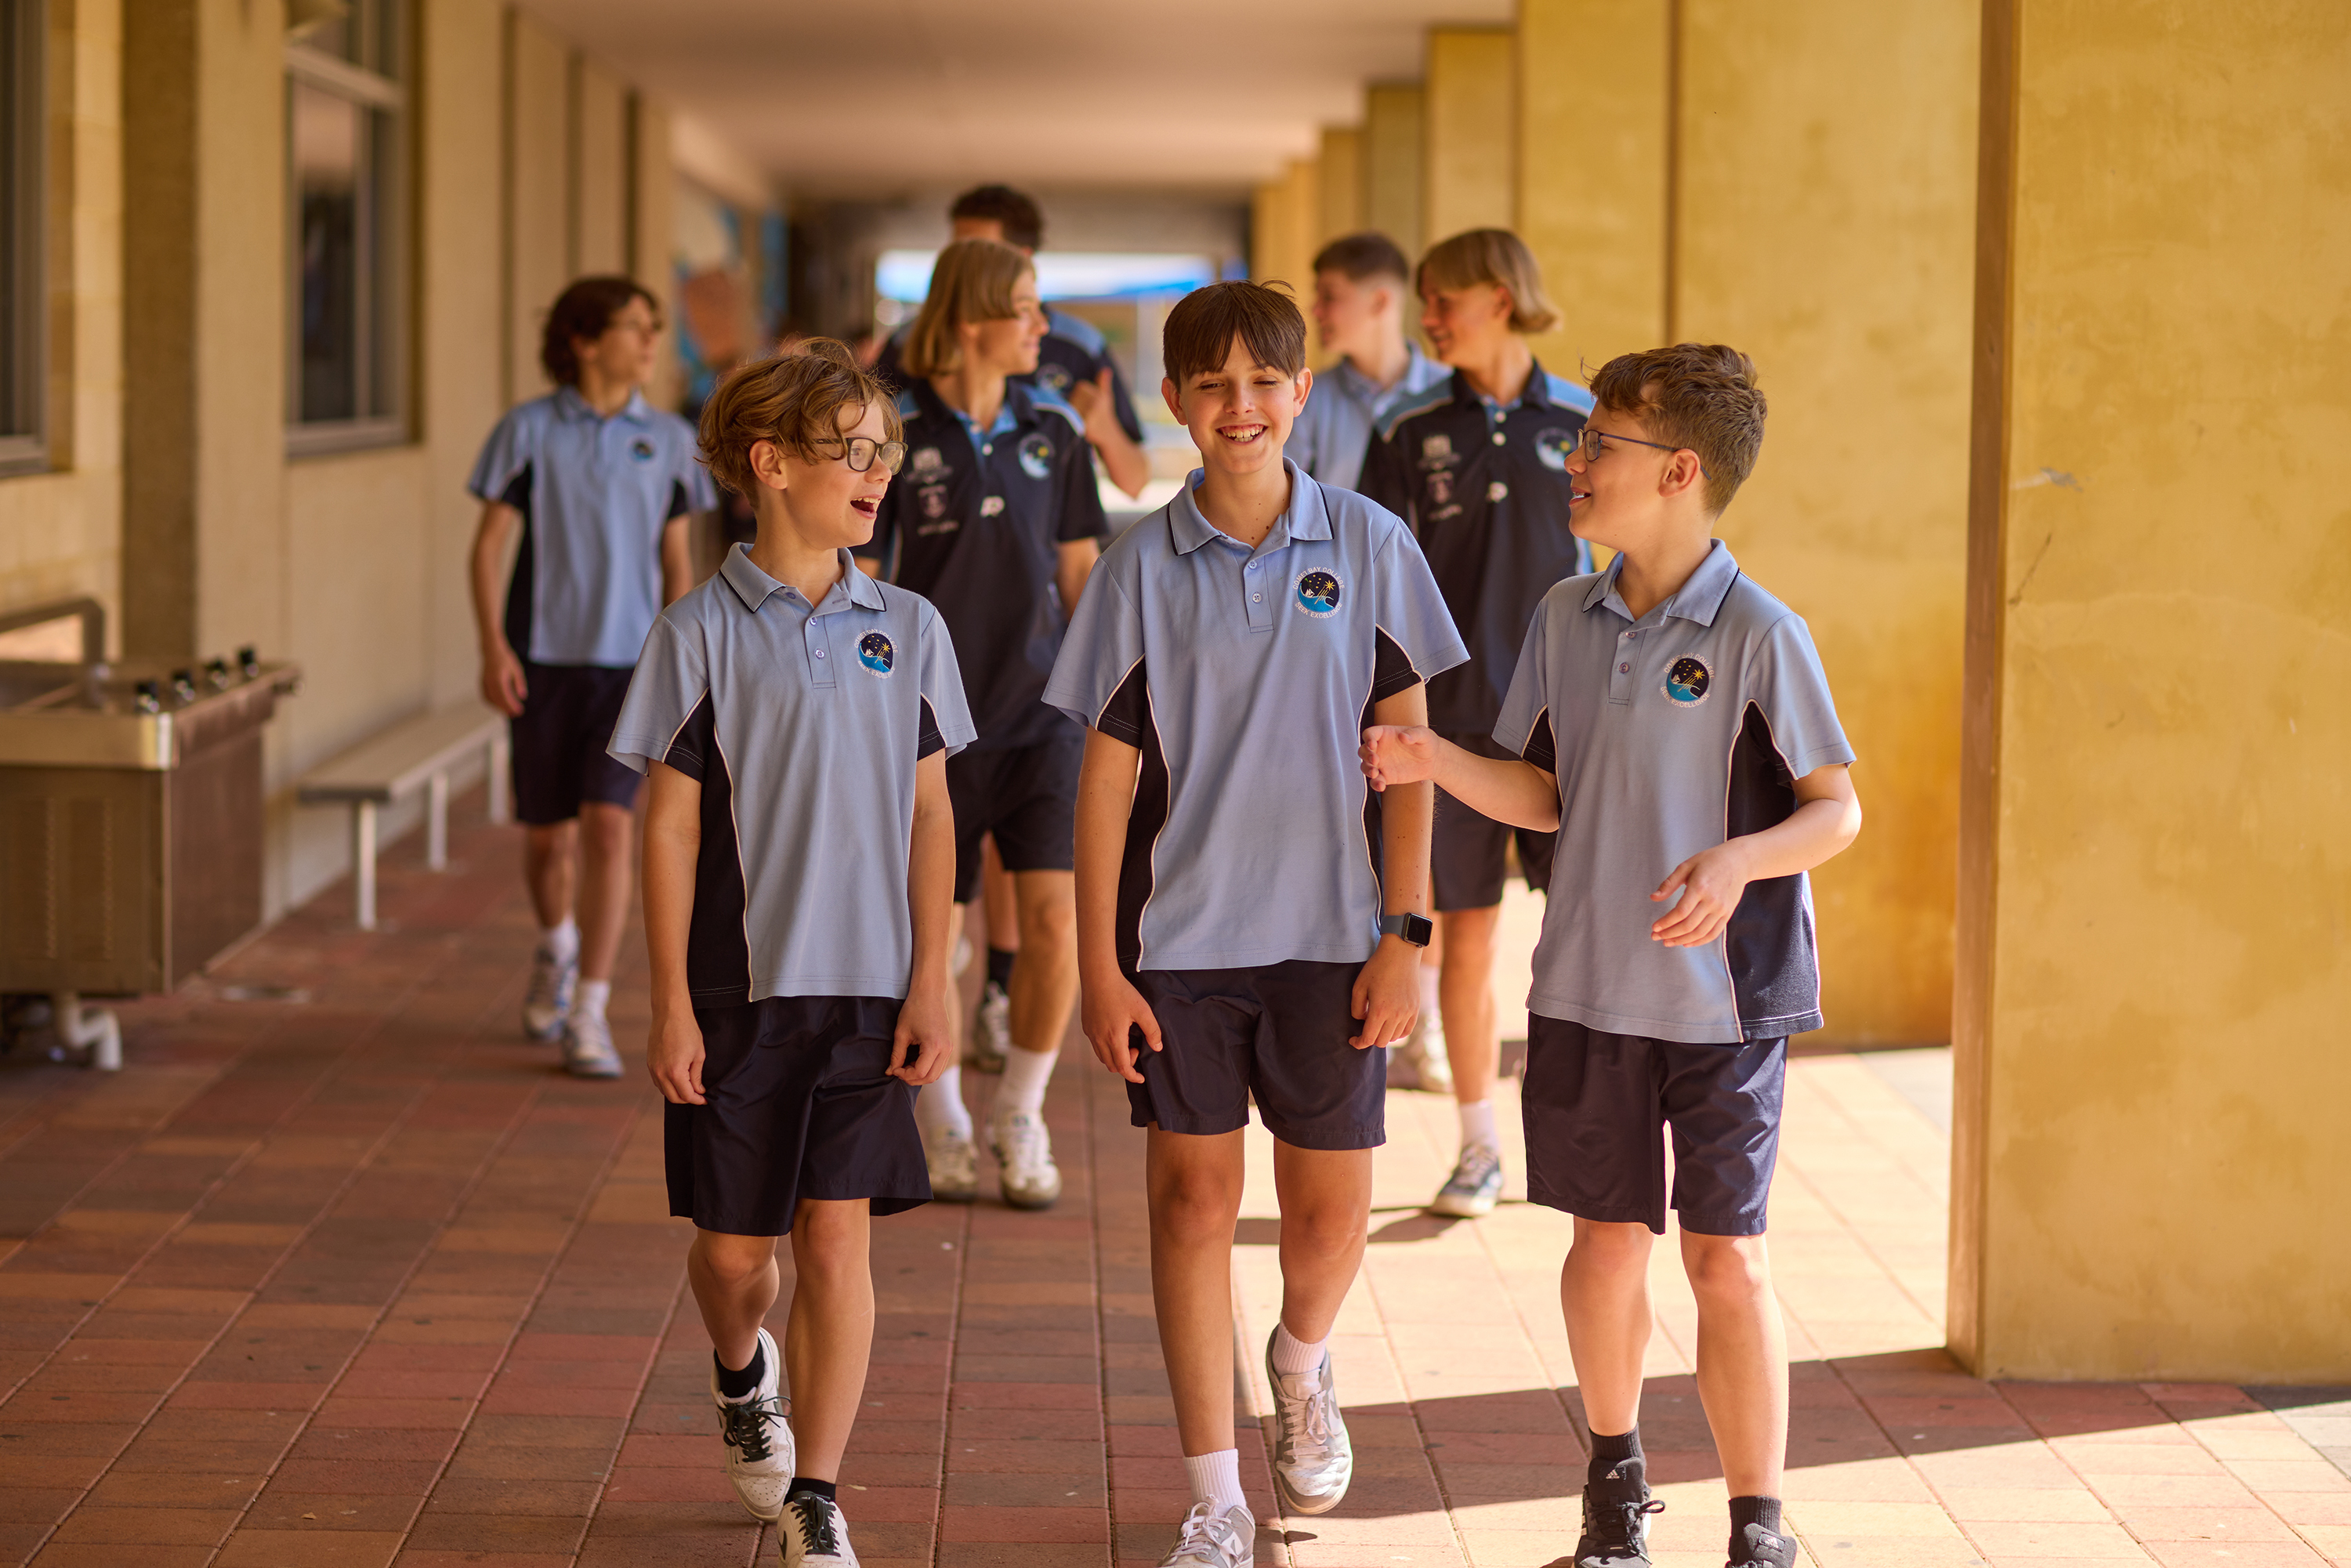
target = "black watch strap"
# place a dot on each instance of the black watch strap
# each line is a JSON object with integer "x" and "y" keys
{"x": 1413, "y": 928}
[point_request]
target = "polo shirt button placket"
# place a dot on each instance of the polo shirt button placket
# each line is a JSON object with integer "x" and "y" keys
{"x": 1620, "y": 681}
{"x": 1260, "y": 618}
{"x": 819, "y": 647}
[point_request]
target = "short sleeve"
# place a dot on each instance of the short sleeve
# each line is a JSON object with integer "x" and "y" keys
{"x": 671, "y": 681}
{"x": 941, "y": 684}
{"x": 1526, "y": 707}
{"x": 1410, "y": 608}
{"x": 1081, "y": 509}
{"x": 1103, "y": 644}
{"x": 504, "y": 455}
{"x": 1786, "y": 681}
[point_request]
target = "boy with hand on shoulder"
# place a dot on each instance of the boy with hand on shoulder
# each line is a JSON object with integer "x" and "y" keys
{"x": 796, "y": 718}
{"x": 1361, "y": 284}
{"x": 1247, "y": 923}
{"x": 1670, "y": 720}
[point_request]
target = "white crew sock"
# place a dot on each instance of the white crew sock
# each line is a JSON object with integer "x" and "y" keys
{"x": 589, "y": 1000}
{"x": 1215, "y": 1478}
{"x": 561, "y": 941}
{"x": 1025, "y": 1072}
{"x": 940, "y": 1104}
{"x": 1428, "y": 976}
{"x": 1477, "y": 1125}
{"x": 1294, "y": 1355}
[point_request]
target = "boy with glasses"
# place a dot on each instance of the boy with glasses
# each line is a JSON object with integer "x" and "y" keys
{"x": 1671, "y": 721}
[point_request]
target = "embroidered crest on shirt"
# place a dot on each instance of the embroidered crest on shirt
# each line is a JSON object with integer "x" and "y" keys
{"x": 642, "y": 450}
{"x": 993, "y": 507}
{"x": 1552, "y": 445}
{"x": 876, "y": 653}
{"x": 1436, "y": 449}
{"x": 927, "y": 460}
{"x": 1036, "y": 457}
{"x": 1687, "y": 681}
{"x": 1318, "y": 592}
{"x": 1053, "y": 378}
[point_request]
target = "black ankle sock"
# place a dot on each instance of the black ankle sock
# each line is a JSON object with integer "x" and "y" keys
{"x": 811, "y": 1484}
{"x": 999, "y": 966}
{"x": 1607, "y": 1453}
{"x": 743, "y": 1384}
{"x": 1760, "y": 1511}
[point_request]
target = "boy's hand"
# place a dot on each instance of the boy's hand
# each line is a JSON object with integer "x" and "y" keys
{"x": 503, "y": 686}
{"x": 673, "y": 1057}
{"x": 1388, "y": 994}
{"x": 919, "y": 1050}
{"x": 1711, "y": 882}
{"x": 1094, "y": 401}
{"x": 1111, "y": 1010}
{"x": 1397, "y": 754}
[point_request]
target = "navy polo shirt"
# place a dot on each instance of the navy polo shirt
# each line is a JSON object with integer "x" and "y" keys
{"x": 594, "y": 495}
{"x": 1334, "y": 429}
{"x": 804, "y": 724}
{"x": 1073, "y": 350}
{"x": 1245, "y": 678}
{"x": 1669, "y": 735}
{"x": 975, "y": 523}
{"x": 1485, "y": 489}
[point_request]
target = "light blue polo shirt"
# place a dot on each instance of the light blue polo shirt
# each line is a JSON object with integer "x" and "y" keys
{"x": 594, "y": 494}
{"x": 804, "y": 725}
{"x": 1334, "y": 429}
{"x": 1669, "y": 735}
{"x": 1246, "y": 677}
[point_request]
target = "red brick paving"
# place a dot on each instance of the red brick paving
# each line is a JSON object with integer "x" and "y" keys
{"x": 362, "y": 1281}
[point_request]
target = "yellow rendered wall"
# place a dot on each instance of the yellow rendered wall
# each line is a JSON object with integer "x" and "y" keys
{"x": 1825, "y": 225}
{"x": 1470, "y": 157}
{"x": 1340, "y": 169}
{"x": 2152, "y": 1059}
{"x": 600, "y": 170}
{"x": 1392, "y": 160}
{"x": 653, "y": 205}
{"x": 539, "y": 219}
{"x": 1283, "y": 214}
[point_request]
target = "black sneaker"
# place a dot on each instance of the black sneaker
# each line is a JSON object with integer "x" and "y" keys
{"x": 1762, "y": 1548}
{"x": 1615, "y": 1520}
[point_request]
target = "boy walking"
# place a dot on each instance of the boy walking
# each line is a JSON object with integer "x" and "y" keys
{"x": 1360, "y": 283}
{"x": 795, "y": 718}
{"x": 1477, "y": 466}
{"x": 600, "y": 485}
{"x": 1248, "y": 926}
{"x": 1671, "y": 720}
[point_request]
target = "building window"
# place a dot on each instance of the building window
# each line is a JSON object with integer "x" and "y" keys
{"x": 23, "y": 344}
{"x": 346, "y": 126}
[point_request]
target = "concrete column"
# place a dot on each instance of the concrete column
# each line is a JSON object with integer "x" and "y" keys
{"x": 539, "y": 213}
{"x": 1283, "y": 214}
{"x": 599, "y": 169}
{"x": 1595, "y": 103}
{"x": 1824, "y": 206}
{"x": 1392, "y": 149}
{"x": 1468, "y": 165}
{"x": 1339, "y": 169}
{"x": 2156, "y": 849}
{"x": 653, "y": 222}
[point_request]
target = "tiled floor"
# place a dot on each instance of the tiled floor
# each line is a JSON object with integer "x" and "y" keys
{"x": 355, "y": 1279}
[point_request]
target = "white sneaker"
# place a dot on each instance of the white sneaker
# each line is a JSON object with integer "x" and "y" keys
{"x": 991, "y": 1031}
{"x": 758, "y": 1444}
{"x": 1025, "y": 1151}
{"x": 954, "y": 1164}
{"x": 1214, "y": 1538}
{"x": 1475, "y": 1185}
{"x": 1420, "y": 1062}
{"x": 588, "y": 1050}
{"x": 1313, "y": 1461}
{"x": 813, "y": 1532}
{"x": 547, "y": 1003}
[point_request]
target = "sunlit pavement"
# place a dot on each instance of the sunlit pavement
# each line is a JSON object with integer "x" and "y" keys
{"x": 354, "y": 1277}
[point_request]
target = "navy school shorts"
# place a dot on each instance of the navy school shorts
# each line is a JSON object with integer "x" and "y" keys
{"x": 567, "y": 716}
{"x": 798, "y": 1104}
{"x": 1277, "y": 1032}
{"x": 1596, "y": 1106}
{"x": 1468, "y": 853}
{"x": 1027, "y": 796}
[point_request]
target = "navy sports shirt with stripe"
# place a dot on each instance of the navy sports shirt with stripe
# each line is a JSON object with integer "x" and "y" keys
{"x": 1484, "y": 489}
{"x": 1335, "y": 428}
{"x": 1669, "y": 735}
{"x": 594, "y": 494}
{"x": 1073, "y": 350}
{"x": 975, "y": 524}
{"x": 803, "y": 726}
{"x": 1246, "y": 677}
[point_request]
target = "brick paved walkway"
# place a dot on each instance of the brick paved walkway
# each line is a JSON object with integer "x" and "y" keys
{"x": 357, "y": 1280}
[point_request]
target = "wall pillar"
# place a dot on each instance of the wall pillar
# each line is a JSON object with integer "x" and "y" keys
{"x": 2155, "y": 856}
{"x": 1392, "y": 148}
{"x": 1468, "y": 166}
{"x": 1340, "y": 169}
{"x": 1284, "y": 216}
{"x": 539, "y": 215}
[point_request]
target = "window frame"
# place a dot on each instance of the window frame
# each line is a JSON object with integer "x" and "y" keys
{"x": 382, "y": 256}
{"x": 24, "y": 312}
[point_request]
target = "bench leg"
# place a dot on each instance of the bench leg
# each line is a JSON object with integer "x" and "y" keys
{"x": 436, "y": 822}
{"x": 363, "y": 862}
{"x": 499, "y": 769}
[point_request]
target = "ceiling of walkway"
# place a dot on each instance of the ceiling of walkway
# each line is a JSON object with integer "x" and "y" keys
{"x": 877, "y": 98}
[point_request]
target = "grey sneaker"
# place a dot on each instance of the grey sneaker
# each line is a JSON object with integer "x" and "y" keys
{"x": 1420, "y": 1062}
{"x": 1475, "y": 1185}
{"x": 588, "y": 1050}
{"x": 1025, "y": 1151}
{"x": 759, "y": 1445}
{"x": 1214, "y": 1538}
{"x": 813, "y": 1532}
{"x": 954, "y": 1165}
{"x": 991, "y": 1031}
{"x": 1616, "y": 1509}
{"x": 547, "y": 1003}
{"x": 1313, "y": 1459}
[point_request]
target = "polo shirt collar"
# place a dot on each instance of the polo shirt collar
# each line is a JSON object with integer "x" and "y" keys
{"x": 1536, "y": 394}
{"x": 1017, "y": 408}
{"x": 1308, "y": 515}
{"x": 571, "y": 405}
{"x": 753, "y": 586}
{"x": 1699, "y": 599}
{"x": 1417, "y": 367}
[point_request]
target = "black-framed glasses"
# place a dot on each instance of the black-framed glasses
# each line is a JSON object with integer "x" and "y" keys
{"x": 1588, "y": 445}
{"x": 860, "y": 452}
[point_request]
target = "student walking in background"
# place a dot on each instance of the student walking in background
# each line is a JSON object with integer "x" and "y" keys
{"x": 1362, "y": 282}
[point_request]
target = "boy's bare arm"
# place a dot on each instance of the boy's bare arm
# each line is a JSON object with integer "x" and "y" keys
{"x": 676, "y": 556}
{"x": 673, "y": 844}
{"x": 1826, "y": 818}
{"x": 1387, "y": 993}
{"x": 1072, "y": 570}
{"x": 1504, "y": 789}
{"x": 503, "y": 686}
{"x": 1111, "y": 1005}
{"x": 920, "y": 1053}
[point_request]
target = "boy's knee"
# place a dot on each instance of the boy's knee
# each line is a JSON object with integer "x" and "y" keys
{"x": 734, "y": 1260}
{"x": 1327, "y": 1233}
{"x": 1728, "y": 1267}
{"x": 1196, "y": 1206}
{"x": 1611, "y": 1247}
{"x": 606, "y": 828}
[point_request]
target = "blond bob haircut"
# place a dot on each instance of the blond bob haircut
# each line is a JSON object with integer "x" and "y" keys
{"x": 796, "y": 400}
{"x": 972, "y": 281}
{"x": 1491, "y": 255}
{"x": 1699, "y": 396}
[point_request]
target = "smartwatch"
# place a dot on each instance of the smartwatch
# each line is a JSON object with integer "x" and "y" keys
{"x": 1413, "y": 928}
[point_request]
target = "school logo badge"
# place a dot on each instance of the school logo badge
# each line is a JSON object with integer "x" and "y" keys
{"x": 1689, "y": 680}
{"x": 1318, "y": 592}
{"x": 1053, "y": 378}
{"x": 643, "y": 450}
{"x": 1036, "y": 457}
{"x": 1440, "y": 490}
{"x": 1497, "y": 491}
{"x": 1436, "y": 449}
{"x": 934, "y": 498}
{"x": 927, "y": 460}
{"x": 992, "y": 507}
{"x": 875, "y": 651}
{"x": 1552, "y": 445}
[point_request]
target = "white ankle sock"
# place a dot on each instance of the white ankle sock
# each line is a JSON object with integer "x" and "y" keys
{"x": 1293, "y": 1355}
{"x": 940, "y": 1104}
{"x": 1215, "y": 1478}
{"x": 1025, "y": 1072}
{"x": 1477, "y": 1125}
{"x": 589, "y": 999}
{"x": 561, "y": 941}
